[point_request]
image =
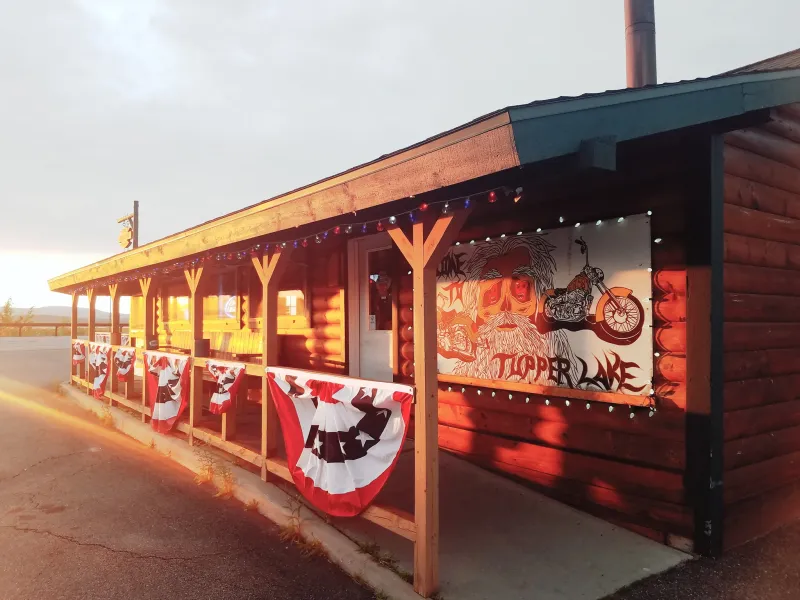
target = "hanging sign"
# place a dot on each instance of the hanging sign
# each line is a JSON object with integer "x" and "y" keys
{"x": 99, "y": 359}
{"x": 167, "y": 388}
{"x": 566, "y": 308}
{"x": 228, "y": 376}
{"x": 343, "y": 436}
{"x": 124, "y": 359}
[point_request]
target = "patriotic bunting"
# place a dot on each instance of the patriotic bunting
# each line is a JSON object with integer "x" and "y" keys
{"x": 228, "y": 376}
{"x": 99, "y": 358}
{"x": 78, "y": 353}
{"x": 167, "y": 388}
{"x": 124, "y": 359}
{"x": 343, "y": 436}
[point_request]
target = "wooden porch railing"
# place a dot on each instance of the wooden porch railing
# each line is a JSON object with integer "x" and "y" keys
{"x": 429, "y": 239}
{"x": 398, "y": 521}
{"x": 46, "y": 324}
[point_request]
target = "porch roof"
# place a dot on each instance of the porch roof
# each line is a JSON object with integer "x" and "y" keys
{"x": 504, "y": 139}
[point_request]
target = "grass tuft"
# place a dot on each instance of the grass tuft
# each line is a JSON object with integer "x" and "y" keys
{"x": 252, "y": 506}
{"x": 226, "y": 482}
{"x": 207, "y": 465}
{"x": 106, "y": 419}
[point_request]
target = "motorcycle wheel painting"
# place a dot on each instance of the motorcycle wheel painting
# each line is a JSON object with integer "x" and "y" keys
{"x": 619, "y": 316}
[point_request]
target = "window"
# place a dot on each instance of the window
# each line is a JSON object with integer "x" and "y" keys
{"x": 177, "y": 309}
{"x": 291, "y": 303}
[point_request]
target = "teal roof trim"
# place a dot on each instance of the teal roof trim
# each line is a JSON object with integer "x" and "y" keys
{"x": 557, "y": 128}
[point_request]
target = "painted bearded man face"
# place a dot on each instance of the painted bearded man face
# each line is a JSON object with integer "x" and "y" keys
{"x": 504, "y": 281}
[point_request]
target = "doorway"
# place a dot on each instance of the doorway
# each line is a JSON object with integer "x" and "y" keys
{"x": 370, "y": 308}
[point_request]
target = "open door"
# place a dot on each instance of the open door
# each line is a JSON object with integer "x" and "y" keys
{"x": 370, "y": 308}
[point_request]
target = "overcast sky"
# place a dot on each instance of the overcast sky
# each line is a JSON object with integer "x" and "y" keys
{"x": 198, "y": 108}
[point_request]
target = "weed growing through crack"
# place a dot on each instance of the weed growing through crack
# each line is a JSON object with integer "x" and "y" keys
{"x": 292, "y": 533}
{"x": 207, "y": 464}
{"x": 226, "y": 481}
{"x": 370, "y": 548}
{"x": 380, "y": 595}
{"x": 153, "y": 444}
{"x": 252, "y": 506}
{"x": 106, "y": 419}
{"x": 385, "y": 559}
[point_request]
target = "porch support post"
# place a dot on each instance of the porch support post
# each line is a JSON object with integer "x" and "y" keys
{"x": 92, "y": 321}
{"x": 116, "y": 337}
{"x": 704, "y": 354}
{"x": 270, "y": 270}
{"x": 424, "y": 253}
{"x": 116, "y": 328}
{"x": 146, "y": 285}
{"x": 193, "y": 277}
{"x": 73, "y": 335}
{"x": 229, "y": 417}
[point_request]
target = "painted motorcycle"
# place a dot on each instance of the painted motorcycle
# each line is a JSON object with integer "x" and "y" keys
{"x": 618, "y": 316}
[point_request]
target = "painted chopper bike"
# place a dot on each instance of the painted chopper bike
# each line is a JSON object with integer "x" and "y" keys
{"x": 617, "y": 318}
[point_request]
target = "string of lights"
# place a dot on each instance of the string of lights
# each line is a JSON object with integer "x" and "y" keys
{"x": 360, "y": 227}
{"x": 492, "y": 196}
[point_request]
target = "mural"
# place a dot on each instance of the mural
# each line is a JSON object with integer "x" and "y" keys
{"x": 567, "y": 308}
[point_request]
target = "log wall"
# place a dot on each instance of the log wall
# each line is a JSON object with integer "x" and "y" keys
{"x": 315, "y": 341}
{"x": 322, "y": 346}
{"x": 630, "y": 471}
{"x": 762, "y": 327}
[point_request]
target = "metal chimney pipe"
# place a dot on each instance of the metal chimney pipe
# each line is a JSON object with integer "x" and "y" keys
{"x": 640, "y": 42}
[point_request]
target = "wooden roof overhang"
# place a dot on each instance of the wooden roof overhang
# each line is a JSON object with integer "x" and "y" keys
{"x": 509, "y": 138}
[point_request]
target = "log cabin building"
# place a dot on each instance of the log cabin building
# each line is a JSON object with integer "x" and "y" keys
{"x": 596, "y": 296}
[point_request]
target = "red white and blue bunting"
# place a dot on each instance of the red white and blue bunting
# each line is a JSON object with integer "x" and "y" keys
{"x": 78, "y": 353}
{"x": 343, "y": 436}
{"x": 227, "y": 376}
{"x": 99, "y": 363}
{"x": 124, "y": 359}
{"x": 167, "y": 388}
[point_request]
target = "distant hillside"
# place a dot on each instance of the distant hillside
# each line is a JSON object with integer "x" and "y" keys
{"x": 59, "y": 314}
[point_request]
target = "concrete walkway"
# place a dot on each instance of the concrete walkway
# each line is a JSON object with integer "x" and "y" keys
{"x": 502, "y": 540}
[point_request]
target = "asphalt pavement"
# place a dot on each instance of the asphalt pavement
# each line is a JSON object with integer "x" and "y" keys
{"x": 87, "y": 513}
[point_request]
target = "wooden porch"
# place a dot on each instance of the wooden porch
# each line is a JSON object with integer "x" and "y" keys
{"x": 250, "y": 431}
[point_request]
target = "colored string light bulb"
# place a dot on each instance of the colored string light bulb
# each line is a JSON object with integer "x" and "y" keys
{"x": 492, "y": 197}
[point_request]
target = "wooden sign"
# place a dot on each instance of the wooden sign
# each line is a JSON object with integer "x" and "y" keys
{"x": 126, "y": 237}
{"x": 566, "y": 308}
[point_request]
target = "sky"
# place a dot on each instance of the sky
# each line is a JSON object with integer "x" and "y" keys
{"x": 197, "y": 108}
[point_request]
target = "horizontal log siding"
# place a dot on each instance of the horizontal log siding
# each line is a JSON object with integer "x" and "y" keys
{"x": 628, "y": 471}
{"x": 762, "y": 327}
{"x": 322, "y": 346}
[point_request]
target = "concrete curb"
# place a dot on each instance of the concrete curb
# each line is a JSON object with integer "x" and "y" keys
{"x": 273, "y": 502}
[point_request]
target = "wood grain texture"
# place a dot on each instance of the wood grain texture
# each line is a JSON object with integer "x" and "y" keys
{"x": 761, "y": 419}
{"x": 761, "y": 280}
{"x": 750, "y": 393}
